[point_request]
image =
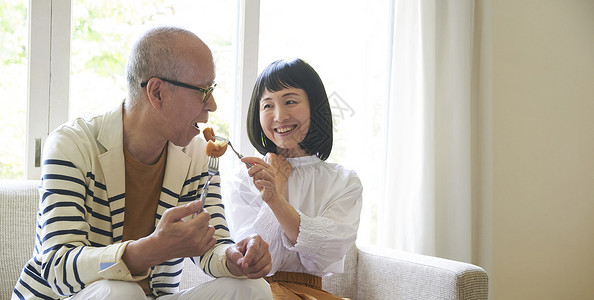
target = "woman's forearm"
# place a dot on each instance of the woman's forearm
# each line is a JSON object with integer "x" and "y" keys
{"x": 287, "y": 216}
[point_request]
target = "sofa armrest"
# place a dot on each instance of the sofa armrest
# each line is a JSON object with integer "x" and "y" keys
{"x": 391, "y": 274}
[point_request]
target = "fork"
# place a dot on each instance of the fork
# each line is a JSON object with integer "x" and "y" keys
{"x": 213, "y": 168}
{"x": 220, "y": 138}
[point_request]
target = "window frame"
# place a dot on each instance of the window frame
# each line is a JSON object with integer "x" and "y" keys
{"x": 48, "y": 76}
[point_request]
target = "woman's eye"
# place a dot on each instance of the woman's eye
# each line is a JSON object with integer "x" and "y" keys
{"x": 291, "y": 102}
{"x": 265, "y": 106}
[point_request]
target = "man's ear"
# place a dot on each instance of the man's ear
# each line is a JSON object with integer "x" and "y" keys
{"x": 154, "y": 91}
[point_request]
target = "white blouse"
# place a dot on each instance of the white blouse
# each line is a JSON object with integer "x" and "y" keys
{"x": 328, "y": 199}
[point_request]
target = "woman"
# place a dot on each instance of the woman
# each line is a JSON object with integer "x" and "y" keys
{"x": 305, "y": 208}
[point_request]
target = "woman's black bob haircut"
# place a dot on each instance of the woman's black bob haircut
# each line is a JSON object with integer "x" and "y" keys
{"x": 294, "y": 73}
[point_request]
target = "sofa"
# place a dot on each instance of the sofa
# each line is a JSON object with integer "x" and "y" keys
{"x": 370, "y": 273}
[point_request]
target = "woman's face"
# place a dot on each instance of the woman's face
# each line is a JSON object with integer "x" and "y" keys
{"x": 285, "y": 119}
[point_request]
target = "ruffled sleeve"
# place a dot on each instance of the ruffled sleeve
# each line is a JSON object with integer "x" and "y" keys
{"x": 328, "y": 199}
{"x": 326, "y": 236}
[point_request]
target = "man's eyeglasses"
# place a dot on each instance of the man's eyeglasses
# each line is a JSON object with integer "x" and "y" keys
{"x": 206, "y": 91}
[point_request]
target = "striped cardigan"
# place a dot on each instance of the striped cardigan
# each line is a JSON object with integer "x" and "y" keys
{"x": 81, "y": 211}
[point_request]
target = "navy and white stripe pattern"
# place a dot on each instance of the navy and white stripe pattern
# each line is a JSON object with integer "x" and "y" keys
{"x": 81, "y": 211}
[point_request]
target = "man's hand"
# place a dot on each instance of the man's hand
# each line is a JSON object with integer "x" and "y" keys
{"x": 250, "y": 257}
{"x": 185, "y": 238}
{"x": 172, "y": 238}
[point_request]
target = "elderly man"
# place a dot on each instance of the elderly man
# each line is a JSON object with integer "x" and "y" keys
{"x": 118, "y": 210}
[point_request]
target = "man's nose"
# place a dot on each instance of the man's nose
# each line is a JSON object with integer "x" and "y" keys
{"x": 211, "y": 104}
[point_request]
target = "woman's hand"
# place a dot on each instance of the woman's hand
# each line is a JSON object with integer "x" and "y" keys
{"x": 282, "y": 169}
{"x": 270, "y": 176}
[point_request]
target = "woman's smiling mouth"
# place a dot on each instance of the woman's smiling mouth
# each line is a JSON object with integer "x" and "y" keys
{"x": 285, "y": 129}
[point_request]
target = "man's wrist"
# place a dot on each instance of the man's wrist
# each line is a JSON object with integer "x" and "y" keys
{"x": 140, "y": 255}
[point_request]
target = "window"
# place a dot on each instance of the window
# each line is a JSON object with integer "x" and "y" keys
{"x": 13, "y": 87}
{"x": 347, "y": 43}
{"x": 103, "y": 31}
{"x": 102, "y": 34}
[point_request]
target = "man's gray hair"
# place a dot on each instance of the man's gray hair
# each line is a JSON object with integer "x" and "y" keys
{"x": 152, "y": 55}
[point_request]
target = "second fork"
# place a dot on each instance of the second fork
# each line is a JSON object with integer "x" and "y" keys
{"x": 231, "y": 145}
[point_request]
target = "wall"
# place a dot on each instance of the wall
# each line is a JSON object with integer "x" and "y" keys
{"x": 535, "y": 148}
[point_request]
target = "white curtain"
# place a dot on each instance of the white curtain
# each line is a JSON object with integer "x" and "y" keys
{"x": 427, "y": 207}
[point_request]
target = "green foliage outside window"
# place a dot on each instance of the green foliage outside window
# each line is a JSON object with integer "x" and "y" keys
{"x": 13, "y": 79}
